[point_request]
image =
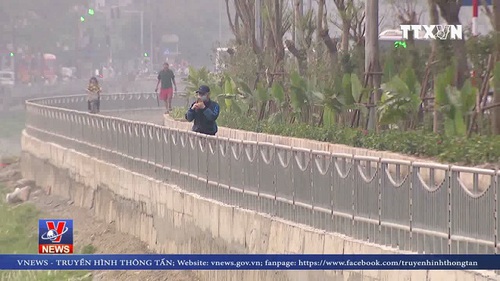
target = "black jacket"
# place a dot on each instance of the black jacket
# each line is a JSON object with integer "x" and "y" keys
{"x": 204, "y": 119}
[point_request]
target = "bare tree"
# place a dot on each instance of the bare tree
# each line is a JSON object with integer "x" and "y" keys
{"x": 449, "y": 10}
{"x": 407, "y": 13}
{"x": 279, "y": 20}
{"x": 434, "y": 17}
{"x": 496, "y": 96}
{"x": 234, "y": 24}
{"x": 243, "y": 23}
{"x": 307, "y": 26}
{"x": 350, "y": 20}
{"x": 488, "y": 12}
{"x": 344, "y": 9}
{"x": 323, "y": 32}
{"x": 358, "y": 27}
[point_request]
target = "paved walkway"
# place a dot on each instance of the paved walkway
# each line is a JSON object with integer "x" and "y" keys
{"x": 153, "y": 116}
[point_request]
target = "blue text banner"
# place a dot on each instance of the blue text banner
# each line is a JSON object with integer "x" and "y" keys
{"x": 248, "y": 262}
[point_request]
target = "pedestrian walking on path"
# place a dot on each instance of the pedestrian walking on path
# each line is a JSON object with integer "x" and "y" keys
{"x": 94, "y": 95}
{"x": 167, "y": 78}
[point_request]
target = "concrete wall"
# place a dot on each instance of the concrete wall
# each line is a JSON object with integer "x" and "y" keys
{"x": 170, "y": 220}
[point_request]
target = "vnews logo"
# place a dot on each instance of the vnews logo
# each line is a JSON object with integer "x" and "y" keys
{"x": 55, "y": 236}
{"x": 433, "y": 32}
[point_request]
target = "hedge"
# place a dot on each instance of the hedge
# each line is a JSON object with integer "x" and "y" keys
{"x": 467, "y": 151}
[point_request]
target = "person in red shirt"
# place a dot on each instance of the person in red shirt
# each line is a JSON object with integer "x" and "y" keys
{"x": 167, "y": 78}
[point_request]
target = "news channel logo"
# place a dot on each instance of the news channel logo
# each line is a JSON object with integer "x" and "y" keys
{"x": 55, "y": 236}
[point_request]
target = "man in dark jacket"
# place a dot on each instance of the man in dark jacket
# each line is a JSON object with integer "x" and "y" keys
{"x": 204, "y": 112}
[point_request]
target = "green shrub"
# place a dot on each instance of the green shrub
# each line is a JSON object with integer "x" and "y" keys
{"x": 178, "y": 113}
{"x": 88, "y": 249}
{"x": 472, "y": 151}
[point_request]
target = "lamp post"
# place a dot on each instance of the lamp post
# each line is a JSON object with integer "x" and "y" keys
{"x": 220, "y": 22}
{"x": 142, "y": 26}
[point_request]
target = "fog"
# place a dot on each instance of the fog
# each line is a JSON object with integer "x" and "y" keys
{"x": 74, "y": 38}
{"x": 49, "y": 40}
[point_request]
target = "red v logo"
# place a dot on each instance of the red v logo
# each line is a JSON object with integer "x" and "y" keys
{"x": 60, "y": 229}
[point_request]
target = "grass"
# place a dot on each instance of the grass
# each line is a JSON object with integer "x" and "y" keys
{"x": 12, "y": 124}
{"x": 49, "y": 275}
{"x": 88, "y": 249}
{"x": 18, "y": 235}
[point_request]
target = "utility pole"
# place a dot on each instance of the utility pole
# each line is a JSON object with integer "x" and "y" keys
{"x": 142, "y": 28}
{"x": 78, "y": 47}
{"x": 142, "y": 32}
{"x": 109, "y": 24}
{"x": 14, "y": 59}
{"x": 372, "y": 64}
{"x": 220, "y": 22}
{"x": 151, "y": 49}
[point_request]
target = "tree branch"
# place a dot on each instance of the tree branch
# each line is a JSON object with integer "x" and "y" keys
{"x": 488, "y": 12}
{"x": 299, "y": 54}
{"x": 231, "y": 24}
{"x": 330, "y": 43}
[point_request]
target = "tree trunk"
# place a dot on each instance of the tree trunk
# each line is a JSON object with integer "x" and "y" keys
{"x": 495, "y": 121}
{"x": 278, "y": 40}
{"x": 449, "y": 11}
{"x": 299, "y": 12}
{"x": 434, "y": 17}
{"x": 319, "y": 19}
{"x": 346, "y": 27}
{"x": 233, "y": 24}
{"x": 372, "y": 59}
{"x": 300, "y": 55}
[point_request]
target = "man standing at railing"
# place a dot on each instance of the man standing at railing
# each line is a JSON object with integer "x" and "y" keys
{"x": 166, "y": 77}
{"x": 204, "y": 112}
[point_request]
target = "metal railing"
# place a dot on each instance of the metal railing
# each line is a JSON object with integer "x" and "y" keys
{"x": 417, "y": 207}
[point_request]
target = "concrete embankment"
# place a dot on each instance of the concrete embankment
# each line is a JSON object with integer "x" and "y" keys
{"x": 170, "y": 220}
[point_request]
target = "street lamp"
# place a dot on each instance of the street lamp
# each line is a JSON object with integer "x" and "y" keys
{"x": 115, "y": 13}
{"x": 141, "y": 13}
